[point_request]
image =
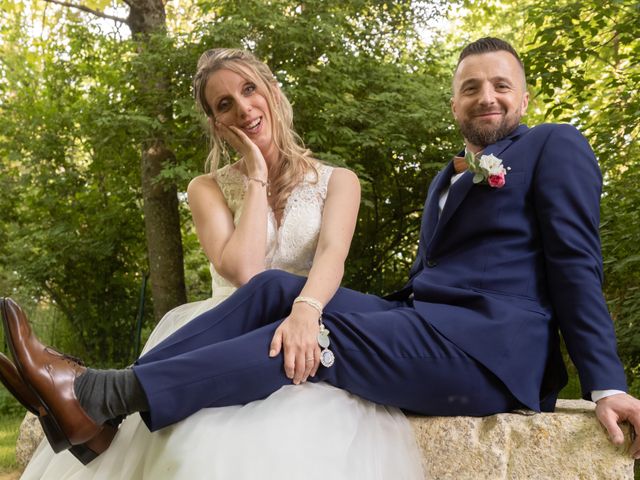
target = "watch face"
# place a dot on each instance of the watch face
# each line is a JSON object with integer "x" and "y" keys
{"x": 327, "y": 358}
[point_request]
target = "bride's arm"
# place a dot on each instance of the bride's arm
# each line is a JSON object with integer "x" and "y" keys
{"x": 236, "y": 251}
{"x": 297, "y": 335}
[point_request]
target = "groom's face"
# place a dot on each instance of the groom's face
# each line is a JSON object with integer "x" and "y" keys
{"x": 489, "y": 97}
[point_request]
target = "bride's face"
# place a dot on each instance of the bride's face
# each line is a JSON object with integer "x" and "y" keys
{"x": 236, "y": 101}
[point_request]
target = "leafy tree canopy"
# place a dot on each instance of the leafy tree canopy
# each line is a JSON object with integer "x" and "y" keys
{"x": 367, "y": 93}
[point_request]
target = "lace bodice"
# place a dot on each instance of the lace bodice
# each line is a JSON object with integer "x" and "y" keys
{"x": 290, "y": 247}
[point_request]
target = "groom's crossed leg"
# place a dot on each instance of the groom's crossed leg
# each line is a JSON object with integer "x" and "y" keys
{"x": 385, "y": 352}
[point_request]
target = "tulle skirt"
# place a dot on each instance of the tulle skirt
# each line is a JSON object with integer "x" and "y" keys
{"x": 309, "y": 431}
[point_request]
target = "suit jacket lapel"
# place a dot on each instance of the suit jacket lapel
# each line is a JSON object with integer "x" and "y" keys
{"x": 431, "y": 207}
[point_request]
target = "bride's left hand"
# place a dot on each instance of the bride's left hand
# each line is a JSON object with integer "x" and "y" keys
{"x": 297, "y": 335}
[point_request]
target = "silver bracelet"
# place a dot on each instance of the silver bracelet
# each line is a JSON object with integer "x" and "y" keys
{"x": 312, "y": 302}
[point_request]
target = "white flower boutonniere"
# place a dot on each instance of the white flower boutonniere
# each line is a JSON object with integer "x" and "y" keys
{"x": 487, "y": 169}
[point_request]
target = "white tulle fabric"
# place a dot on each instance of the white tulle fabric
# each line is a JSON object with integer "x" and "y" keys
{"x": 310, "y": 431}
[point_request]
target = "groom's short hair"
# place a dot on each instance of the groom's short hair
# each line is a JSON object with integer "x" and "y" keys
{"x": 488, "y": 45}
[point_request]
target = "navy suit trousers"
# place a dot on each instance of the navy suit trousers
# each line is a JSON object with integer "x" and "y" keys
{"x": 385, "y": 352}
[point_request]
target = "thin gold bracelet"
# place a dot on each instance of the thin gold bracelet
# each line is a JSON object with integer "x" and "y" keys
{"x": 261, "y": 182}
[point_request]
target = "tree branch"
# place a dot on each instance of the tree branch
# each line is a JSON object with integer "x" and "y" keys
{"x": 90, "y": 10}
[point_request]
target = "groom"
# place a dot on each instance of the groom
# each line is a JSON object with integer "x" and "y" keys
{"x": 509, "y": 255}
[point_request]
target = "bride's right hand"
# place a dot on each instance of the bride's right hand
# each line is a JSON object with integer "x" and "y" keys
{"x": 297, "y": 335}
{"x": 252, "y": 156}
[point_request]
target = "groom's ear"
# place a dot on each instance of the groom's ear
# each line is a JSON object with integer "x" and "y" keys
{"x": 452, "y": 103}
{"x": 525, "y": 102}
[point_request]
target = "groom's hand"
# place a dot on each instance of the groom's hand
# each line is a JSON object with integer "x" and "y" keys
{"x": 619, "y": 408}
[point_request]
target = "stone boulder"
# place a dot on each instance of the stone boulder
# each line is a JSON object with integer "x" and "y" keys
{"x": 29, "y": 438}
{"x": 567, "y": 444}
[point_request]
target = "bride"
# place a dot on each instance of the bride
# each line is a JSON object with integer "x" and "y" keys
{"x": 276, "y": 207}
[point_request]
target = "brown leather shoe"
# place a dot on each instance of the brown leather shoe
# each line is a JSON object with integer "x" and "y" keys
{"x": 50, "y": 375}
{"x": 11, "y": 379}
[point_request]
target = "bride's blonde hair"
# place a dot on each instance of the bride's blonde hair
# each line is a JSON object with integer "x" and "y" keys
{"x": 295, "y": 160}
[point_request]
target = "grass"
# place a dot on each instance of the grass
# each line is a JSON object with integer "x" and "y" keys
{"x": 9, "y": 425}
{"x": 11, "y": 415}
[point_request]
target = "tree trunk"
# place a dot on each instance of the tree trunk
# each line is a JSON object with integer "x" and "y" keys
{"x": 161, "y": 216}
{"x": 162, "y": 228}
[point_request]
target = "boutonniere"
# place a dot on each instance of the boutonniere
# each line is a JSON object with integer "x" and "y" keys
{"x": 487, "y": 169}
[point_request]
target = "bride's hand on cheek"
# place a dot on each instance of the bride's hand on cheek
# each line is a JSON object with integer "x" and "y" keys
{"x": 249, "y": 151}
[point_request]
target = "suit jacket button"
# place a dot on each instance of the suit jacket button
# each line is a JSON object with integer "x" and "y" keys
{"x": 431, "y": 263}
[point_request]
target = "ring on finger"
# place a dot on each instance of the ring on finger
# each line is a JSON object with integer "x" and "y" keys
{"x": 310, "y": 359}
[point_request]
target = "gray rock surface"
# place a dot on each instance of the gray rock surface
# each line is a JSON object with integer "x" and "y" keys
{"x": 29, "y": 438}
{"x": 567, "y": 444}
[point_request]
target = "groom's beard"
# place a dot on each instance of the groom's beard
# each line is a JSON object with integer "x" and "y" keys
{"x": 489, "y": 134}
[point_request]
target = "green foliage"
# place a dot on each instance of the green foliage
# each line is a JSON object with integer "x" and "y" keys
{"x": 584, "y": 58}
{"x": 9, "y": 406}
{"x": 9, "y": 427}
{"x": 620, "y": 230}
{"x": 75, "y": 110}
{"x": 71, "y": 221}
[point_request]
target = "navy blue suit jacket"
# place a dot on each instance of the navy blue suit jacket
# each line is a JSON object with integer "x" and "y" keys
{"x": 503, "y": 269}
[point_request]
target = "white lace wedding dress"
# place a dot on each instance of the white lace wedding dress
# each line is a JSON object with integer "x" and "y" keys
{"x": 309, "y": 431}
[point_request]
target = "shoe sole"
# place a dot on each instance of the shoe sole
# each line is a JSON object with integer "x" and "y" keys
{"x": 85, "y": 452}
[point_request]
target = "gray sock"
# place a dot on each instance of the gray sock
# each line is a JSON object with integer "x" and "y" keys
{"x": 109, "y": 394}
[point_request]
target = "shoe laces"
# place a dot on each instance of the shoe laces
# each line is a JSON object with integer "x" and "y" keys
{"x": 65, "y": 356}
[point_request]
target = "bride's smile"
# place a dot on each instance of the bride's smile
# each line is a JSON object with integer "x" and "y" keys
{"x": 239, "y": 102}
